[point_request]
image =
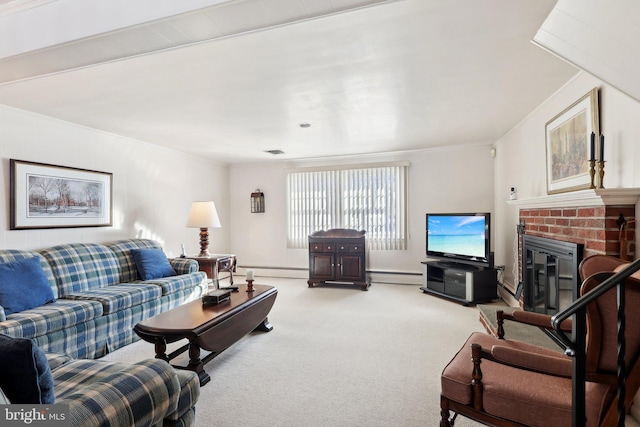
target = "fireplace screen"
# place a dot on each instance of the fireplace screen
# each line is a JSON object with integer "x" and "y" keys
{"x": 551, "y": 278}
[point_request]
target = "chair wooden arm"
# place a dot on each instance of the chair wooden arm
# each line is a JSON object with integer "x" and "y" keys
{"x": 559, "y": 366}
{"x": 529, "y": 318}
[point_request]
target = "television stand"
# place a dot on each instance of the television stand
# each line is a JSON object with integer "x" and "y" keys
{"x": 455, "y": 265}
{"x": 460, "y": 282}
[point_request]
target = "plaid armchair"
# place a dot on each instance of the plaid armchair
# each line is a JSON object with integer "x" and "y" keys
{"x": 147, "y": 393}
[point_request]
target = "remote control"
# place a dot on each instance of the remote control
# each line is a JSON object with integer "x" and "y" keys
{"x": 231, "y": 288}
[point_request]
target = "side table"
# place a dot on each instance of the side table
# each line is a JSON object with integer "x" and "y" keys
{"x": 216, "y": 263}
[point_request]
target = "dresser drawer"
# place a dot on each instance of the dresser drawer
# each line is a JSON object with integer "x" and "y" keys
{"x": 225, "y": 264}
{"x": 356, "y": 248}
{"x": 322, "y": 247}
{"x": 328, "y": 247}
{"x": 350, "y": 247}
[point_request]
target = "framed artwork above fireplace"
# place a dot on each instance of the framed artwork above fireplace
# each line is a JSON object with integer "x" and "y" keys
{"x": 569, "y": 145}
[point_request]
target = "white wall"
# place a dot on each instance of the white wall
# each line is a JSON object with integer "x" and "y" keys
{"x": 459, "y": 180}
{"x": 153, "y": 187}
{"x": 520, "y": 159}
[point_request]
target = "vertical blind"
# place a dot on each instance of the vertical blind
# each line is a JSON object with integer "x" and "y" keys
{"x": 370, "y": 198}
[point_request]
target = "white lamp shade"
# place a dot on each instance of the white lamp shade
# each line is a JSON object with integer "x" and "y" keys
{"x": 203, "y": 215}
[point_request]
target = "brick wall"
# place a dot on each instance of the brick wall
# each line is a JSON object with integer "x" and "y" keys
{"x": 595, "y": 227}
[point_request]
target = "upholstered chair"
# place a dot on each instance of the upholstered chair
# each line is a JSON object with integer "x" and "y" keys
{"x": 506, "y": 382}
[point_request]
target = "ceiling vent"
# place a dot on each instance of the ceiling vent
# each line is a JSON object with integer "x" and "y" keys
{"x": 274, "y": 152}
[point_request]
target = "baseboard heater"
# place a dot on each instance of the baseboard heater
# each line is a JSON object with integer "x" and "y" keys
{"x": 302, "y": 272}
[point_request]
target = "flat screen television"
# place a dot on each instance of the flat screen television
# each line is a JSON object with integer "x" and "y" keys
{"x": 460, "y": 238}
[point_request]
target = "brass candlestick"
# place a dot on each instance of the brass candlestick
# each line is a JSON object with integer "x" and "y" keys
{"x": 249, "y": 285}
{"x": 592, "y": 172}
{"x": 601, "y": 173}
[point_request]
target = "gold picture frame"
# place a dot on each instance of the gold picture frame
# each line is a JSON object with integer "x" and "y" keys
{"x": 568, "y": 145}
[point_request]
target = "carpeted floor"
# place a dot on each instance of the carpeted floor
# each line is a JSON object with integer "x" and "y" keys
{"x": 337, "y": 356}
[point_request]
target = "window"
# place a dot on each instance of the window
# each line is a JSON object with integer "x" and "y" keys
{"x": 371, "y": 198}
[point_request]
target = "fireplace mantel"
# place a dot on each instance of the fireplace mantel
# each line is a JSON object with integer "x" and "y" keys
{"x": 597, "y": 197}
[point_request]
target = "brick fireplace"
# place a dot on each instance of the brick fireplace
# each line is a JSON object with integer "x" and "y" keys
{"x": 589, "y": 218}
{"x": 595, "y": 227}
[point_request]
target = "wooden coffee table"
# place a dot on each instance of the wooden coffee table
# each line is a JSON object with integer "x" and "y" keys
{"x": 210, "y": 327}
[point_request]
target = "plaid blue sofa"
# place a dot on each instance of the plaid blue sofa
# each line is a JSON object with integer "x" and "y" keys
{"x": 109, "y": 394}
{"x": 99, "y": 297}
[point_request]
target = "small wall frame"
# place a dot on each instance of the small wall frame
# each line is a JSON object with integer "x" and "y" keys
{"x": 257, "y": 201}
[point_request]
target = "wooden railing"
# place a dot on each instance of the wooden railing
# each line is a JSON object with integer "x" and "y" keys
{"x": 575, "y": 344}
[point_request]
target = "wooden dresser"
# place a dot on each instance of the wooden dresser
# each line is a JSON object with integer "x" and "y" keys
{"x": 338, "y": 255}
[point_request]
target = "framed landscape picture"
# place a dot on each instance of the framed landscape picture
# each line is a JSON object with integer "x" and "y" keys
{"x": 568, "y": 145}
{"x": 50, "y": 196}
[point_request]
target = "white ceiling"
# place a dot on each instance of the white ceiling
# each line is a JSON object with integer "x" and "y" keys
{"x": 234, "y": 80}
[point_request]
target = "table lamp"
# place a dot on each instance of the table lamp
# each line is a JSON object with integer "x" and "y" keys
{"x": 203, "y": 215}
